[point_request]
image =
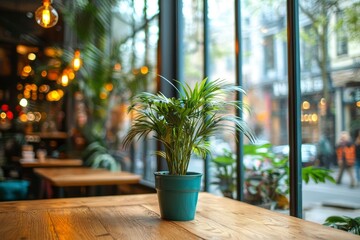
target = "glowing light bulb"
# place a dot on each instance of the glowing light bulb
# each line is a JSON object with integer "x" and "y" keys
{"x": 64, "y": 80}
{"x": 23, "y": 102}
{"x": 46, "y": 16}
{"x": 31, "y": 56}
{"x": 76, "y": 61}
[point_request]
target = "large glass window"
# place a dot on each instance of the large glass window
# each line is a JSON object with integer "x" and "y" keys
{"x": 329, "y": 92}
{"x": 328, "y": 102}
{"x": 265, "y": 79}
{"x": 221, "y": 44}
{"x": 135, "y": 30}
{"x": 221, "y": 62}
{"x": 328, "y": 105}
{"x": 194, "y": 56}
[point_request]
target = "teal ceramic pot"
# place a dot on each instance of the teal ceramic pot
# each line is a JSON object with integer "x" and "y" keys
{"x": 177, "y": 195}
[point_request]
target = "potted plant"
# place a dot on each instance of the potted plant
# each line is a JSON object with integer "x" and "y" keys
{"x": 183, "y": 125}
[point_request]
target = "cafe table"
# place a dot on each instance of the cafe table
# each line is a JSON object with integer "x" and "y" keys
{"x": 51, "y": 162}
{"x": 84, "y": 177}
{"x": 27, "y": 170}
{"x": 137, "y": 217}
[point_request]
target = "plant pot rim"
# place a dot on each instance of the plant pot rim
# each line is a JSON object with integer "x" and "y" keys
{"x": 166, "y": 173}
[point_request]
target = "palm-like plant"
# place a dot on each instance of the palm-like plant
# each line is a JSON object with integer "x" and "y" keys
{"x": 184, "y": 124}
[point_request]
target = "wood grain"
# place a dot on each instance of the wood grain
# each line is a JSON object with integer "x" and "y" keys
{"x": 137, "y": 217}
{"x": 26, "y": 225}
{"x": 137, "y": 222}
{"x": 77, "y": 223}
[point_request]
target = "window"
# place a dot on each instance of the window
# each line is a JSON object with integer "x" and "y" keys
{"x": 269, "y": 53}
{"x": 341, "y": 37}
{"x": 308, "y": 49}
{"x": 325, "y": 107}
{"x": 135, "y": 27}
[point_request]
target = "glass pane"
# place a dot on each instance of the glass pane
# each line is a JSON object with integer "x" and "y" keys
{"x": 193, "y": 56}
{"x": 222, "y": 66}
{"x": 135, "y": 28}
{"x": 329, "y": 47}
{"x": 264, "y": 54}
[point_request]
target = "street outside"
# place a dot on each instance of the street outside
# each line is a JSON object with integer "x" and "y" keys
{"x": 339, "y": 200}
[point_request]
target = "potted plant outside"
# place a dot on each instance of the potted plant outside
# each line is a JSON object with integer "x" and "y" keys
{"x": 267, "y": 177}
{"x": 225, "y": 166}
{"x": 344, "y": 223}
{"x": 183, "y": 125}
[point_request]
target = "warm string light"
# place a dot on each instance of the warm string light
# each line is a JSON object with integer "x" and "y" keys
{"x": 76, "y": 62}
{"x": 66, "y": 76}
{"x": 46, "y": 16}
{"x": 64, "y": 80}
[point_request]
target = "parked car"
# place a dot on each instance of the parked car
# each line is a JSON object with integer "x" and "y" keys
{"x": 308, "y": 153}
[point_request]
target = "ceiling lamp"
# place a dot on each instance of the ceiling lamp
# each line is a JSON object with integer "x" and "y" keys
{"x": 46, "y": 16}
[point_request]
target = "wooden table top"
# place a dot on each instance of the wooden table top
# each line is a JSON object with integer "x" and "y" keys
{"x": 85, "y": 176}
{"x": 52, "y": 162}
{"x": 138, "y": 217}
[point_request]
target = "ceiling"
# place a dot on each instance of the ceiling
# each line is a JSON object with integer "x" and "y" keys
{"x": 18, "y": 26}
{"x": 24, "y": 5}
{"x": 20, "y": 5}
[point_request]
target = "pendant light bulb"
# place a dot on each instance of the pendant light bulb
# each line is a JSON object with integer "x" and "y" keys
{"x": 46, "y": 16}
{"x": 76, "y": 62}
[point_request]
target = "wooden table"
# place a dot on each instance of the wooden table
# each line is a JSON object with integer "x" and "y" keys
{"x": 84, "y": 176}
{"x": 137, "y": 217}
{"x": 27, "y": 171}
{"x": 52, "y": 162}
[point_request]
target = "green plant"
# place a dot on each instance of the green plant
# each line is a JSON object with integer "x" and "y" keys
{"x": 225, "y": 173}
{"x": 96, "y": 155}
{"x": 273, "y": 184}
{"x": 266, "y": 175}
{"x": 344, "y": 223}
{"x": 184, "y": 124}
